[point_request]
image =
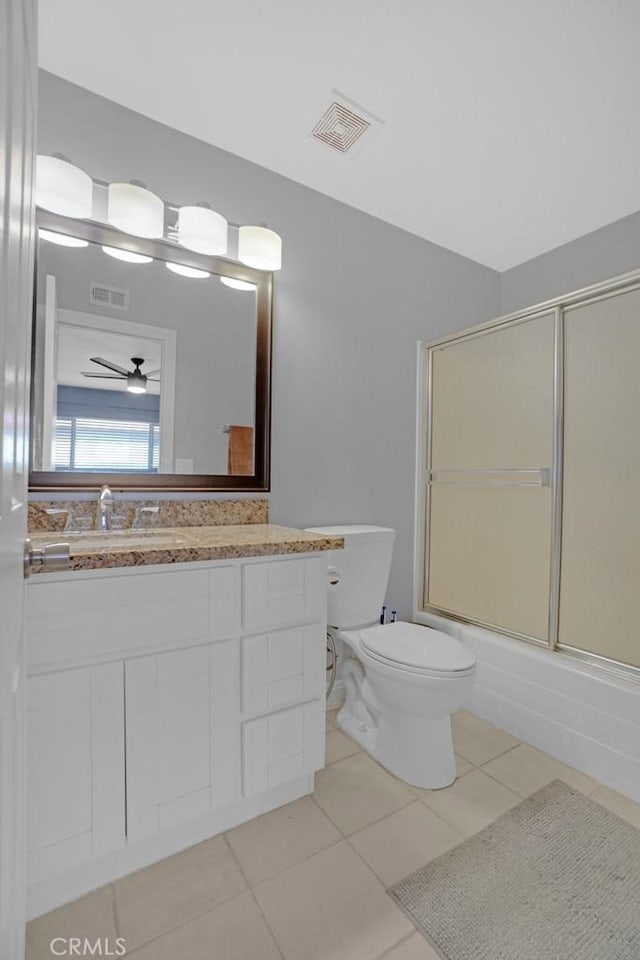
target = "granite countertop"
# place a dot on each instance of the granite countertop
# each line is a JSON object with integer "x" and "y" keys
{"x": 94, "y": 550}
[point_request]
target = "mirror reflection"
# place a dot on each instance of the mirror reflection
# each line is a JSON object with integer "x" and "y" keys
{"x": 141, "y": 369}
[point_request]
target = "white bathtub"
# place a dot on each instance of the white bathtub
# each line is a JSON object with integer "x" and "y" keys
{"x": 586, "y": 717}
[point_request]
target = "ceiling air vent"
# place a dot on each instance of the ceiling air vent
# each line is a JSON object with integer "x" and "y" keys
{"x": 344, "y": 124}
{"x": 103, "y": 296}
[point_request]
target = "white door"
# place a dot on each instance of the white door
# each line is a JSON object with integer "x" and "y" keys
{"x": 18, "y": 64}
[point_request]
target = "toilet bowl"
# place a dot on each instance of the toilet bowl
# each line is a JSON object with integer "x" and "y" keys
{"x": 402, "y": 680}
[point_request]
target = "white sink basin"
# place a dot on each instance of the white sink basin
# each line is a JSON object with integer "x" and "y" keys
{"x": 104, "y": 539}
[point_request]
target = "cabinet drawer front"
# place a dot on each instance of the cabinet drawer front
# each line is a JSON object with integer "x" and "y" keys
{"x": 69, "y": 620}
{"x": 91, "y": 618}
{"x": 282, "y": 746}
{"x": 279, "y": 592}
{"x": 281, "y": 667}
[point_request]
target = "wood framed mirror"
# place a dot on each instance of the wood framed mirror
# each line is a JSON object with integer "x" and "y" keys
{"x": 151, "y": 365}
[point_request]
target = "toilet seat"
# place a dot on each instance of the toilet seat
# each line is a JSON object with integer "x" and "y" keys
{"x": 411, "y": 648}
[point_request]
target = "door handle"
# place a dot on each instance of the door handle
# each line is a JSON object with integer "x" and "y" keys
{"x": 51, "y": 557}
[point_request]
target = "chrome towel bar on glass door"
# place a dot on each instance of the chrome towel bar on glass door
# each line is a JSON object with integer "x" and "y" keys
{"x": 493, "y": 477}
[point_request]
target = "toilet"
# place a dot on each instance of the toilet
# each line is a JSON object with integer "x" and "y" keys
{"x": 402, "y": 680}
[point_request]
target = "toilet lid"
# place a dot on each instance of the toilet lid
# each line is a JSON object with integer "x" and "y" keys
{"x": 416, "y": 647}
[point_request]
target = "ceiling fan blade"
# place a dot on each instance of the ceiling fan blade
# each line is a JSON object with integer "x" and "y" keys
{"x": 110, "y": 366}
{"x": 104, "y": 376}
{"x": 152, "y": 373}
{"x": 154, "y": 379}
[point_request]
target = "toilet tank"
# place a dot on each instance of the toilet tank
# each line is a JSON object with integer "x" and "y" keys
{"x": 362, "y": 573}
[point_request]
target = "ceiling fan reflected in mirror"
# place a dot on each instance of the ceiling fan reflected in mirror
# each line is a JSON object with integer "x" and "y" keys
{"x": 136, "y": 379}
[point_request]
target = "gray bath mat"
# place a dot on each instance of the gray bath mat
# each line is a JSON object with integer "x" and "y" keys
{"x": 555, "y": 878}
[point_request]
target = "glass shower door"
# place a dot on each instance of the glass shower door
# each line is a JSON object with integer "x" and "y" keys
{"x": 600, "y": 568}
{"x": 490, "y": 464}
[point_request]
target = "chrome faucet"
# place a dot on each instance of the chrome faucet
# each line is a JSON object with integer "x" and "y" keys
{"x": 105, "y": 509}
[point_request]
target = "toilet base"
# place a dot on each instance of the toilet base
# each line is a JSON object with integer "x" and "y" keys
{"x": 421, "y": 754}
{"x": 357, "y": 729}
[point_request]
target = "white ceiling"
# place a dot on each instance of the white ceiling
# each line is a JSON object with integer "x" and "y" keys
{"x": 510, "y": 126}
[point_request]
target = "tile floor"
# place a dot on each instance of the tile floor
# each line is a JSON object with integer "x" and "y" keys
{"x": 307, "y": 881}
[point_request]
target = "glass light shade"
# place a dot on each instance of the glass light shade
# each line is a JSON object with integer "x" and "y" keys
{"x": 237, "y": 284}
{"x": 135, "y": 210}
{"x": 62, "y": 239}
{"x": 136, "y": 389}
{"x": 63, "y": 188}
{"x": 260, "y": 248}
{"x": 188, "y": 271}
{"x": 127, "y": 255}
{"x": 202, "y": 230}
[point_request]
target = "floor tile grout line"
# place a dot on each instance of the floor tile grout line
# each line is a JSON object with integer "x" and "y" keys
{"x": 345, "y": 836}
{"x": 395, "y": 946}
{"x": 556, "y": 776}
{"x": 114, "y": 907}
{"x": 192, "y": 917}
{"x": 253, "y": 896}
{"x": 267, "y": 924}
{"x": 441, "y": 819}
{"x": 489, "y": 759}
{"x": 381, "y": 879}
{"x": 184, "y": 923}
{"x": 294, "y": 863}
{"x": 451, "y": 825}
{"x": 521, "y": 796}
{"x": 317, "y": 852}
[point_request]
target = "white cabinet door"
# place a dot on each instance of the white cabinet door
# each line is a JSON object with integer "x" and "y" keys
{"x": 282, "y": 746}
{"x": 182, "y": 734}
{"x": 75, "y": 768}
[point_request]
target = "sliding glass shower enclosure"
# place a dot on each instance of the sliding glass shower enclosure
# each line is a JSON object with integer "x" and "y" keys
{"x": 529, "y": 478}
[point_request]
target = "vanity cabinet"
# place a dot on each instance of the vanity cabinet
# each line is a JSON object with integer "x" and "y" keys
{"x": 166, "y": 705}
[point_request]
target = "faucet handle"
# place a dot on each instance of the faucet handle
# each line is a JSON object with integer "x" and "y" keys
{"x": 138, "y": 519}
{"x": 58, "y": 512}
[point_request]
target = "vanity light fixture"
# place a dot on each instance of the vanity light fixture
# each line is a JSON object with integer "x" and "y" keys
{"x": 62, "y": 239}
{"x": 63, "y": 188}
{"x": 184, "y": 271}
{"x": 134, "y": 209}
{"x": 237, "y": 284}
{"x": 202, "y": 229}
{"x": 127, "y": 255}
{"x": 260, "y": 247}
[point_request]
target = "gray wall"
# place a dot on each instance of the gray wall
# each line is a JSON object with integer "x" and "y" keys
{"x": 352, "y": 299}
{"x": 597, "y": 256}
